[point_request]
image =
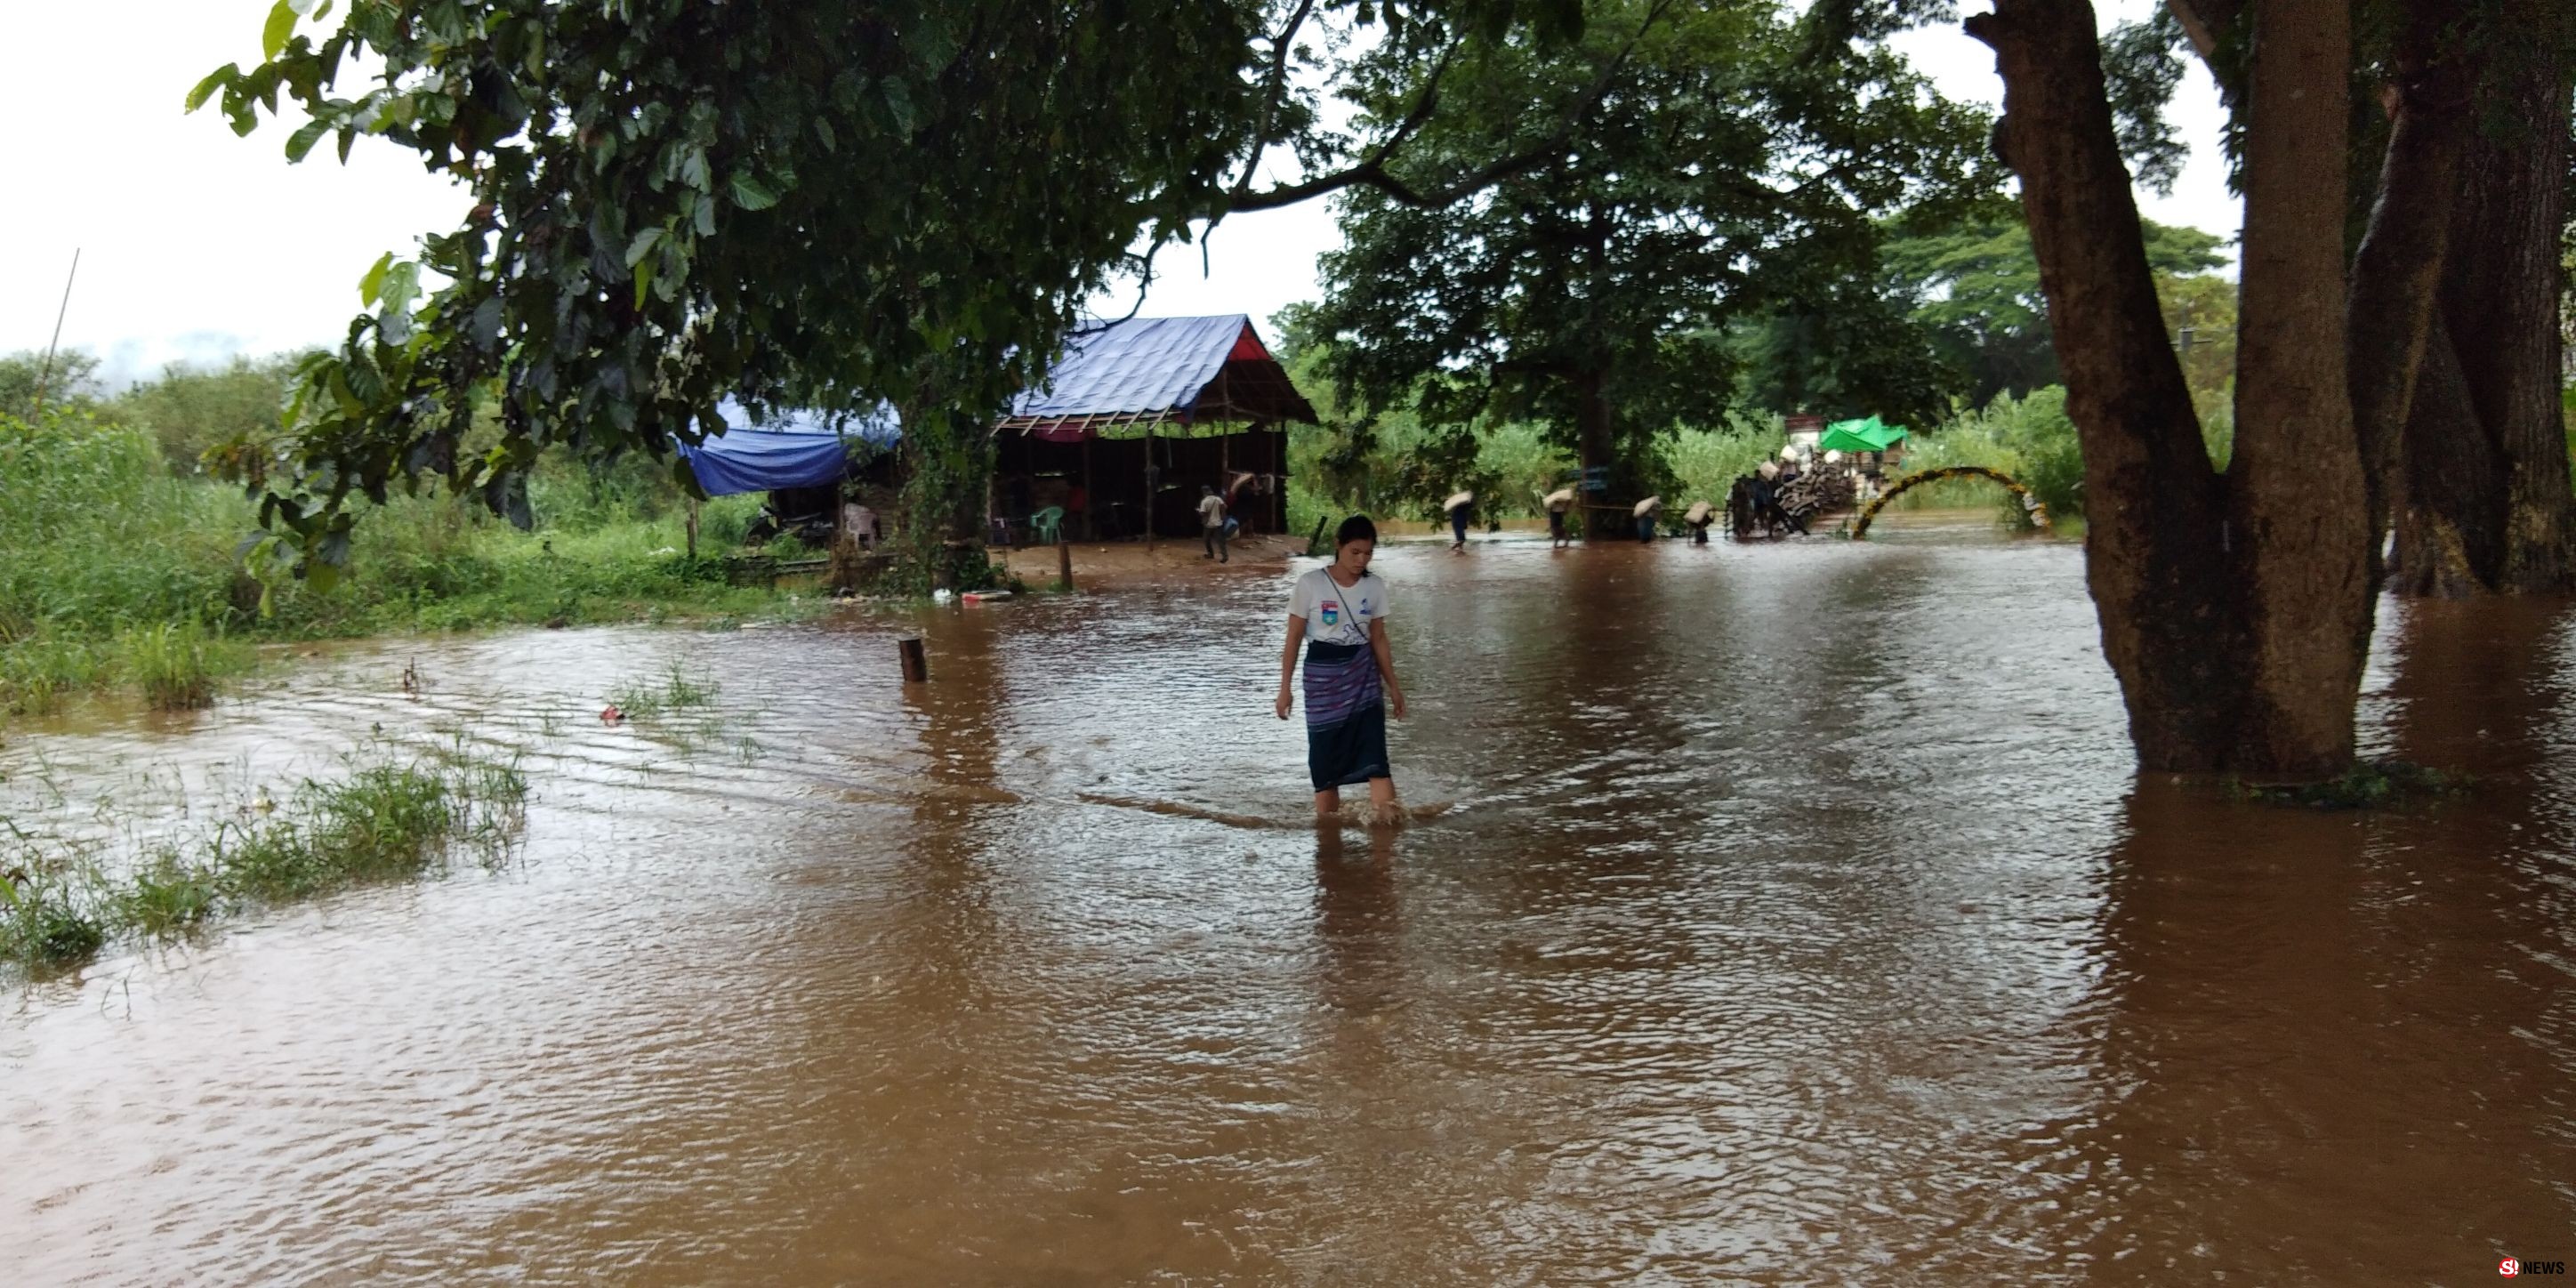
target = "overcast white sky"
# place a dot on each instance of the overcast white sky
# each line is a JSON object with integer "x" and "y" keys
{"x": 196, "y": 245}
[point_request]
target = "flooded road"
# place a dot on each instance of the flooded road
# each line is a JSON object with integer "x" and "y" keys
{"x": 1796, "y": 919}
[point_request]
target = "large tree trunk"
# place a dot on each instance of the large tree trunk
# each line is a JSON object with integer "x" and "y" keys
{"x": 2234, "y": 612}
{"x": 1597, "y": 446}
{"x": 2298, "y": 507}
{"x": 2155, "y": 512}
{"x": 2487, "y": 506}
{"x": 2397, "y": 272}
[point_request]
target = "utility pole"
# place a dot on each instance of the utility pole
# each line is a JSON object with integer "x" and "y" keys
{"x": 45, "y": 373}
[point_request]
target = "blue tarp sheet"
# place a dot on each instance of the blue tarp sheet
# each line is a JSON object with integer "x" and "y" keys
{"x": 1137, "y": 365}
{"x": 794, "y": 449}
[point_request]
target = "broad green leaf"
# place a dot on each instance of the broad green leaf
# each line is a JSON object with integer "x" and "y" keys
{"x": 375, "y": 278}
{"x": 215, "y": 80}
{"x": 644, "y": 280}
{"x": 300, "y": 143}
{"x": 750, "y": 193}
{"x": 281, "y": 24}
{"x": 642, "y": 246}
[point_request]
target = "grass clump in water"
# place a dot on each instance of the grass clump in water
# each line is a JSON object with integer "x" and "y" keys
{"x": 673, "y": 690}
{"x": 176, "y": 664}
{"x": 43, "y": 919}
{"x": 386, "y": 817}
{"x": 167, "y": 896}
{"x": 2369, "y": 784}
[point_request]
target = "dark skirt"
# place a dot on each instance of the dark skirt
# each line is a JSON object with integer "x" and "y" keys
{"x": 1345, "y": 716}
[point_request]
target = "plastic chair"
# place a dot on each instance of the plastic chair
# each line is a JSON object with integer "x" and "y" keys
{"x": 1045, "y": 525}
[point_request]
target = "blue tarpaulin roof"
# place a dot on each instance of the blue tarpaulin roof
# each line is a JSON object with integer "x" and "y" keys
{"x": 791, "y": 449}
{"x": 1145, "y": 369}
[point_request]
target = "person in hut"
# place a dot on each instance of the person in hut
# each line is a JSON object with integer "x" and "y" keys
{"x": 1339, "y": 613}
{"x": 1212, "y": 523}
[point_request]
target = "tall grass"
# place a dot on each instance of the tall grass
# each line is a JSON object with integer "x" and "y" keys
{"x": 674, "y": 689}
{"x": 120, "y": 573}
{"x": 1706, "y": 463}
{"x": 176, "y": 663}
{"x": 386, "y": 816}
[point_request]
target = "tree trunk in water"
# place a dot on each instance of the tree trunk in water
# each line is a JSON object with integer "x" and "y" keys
{"x": 2486, "y": 502}
{"x": 1597, "y": 441}
{"x": 2298, "y": 506}
{"x": 948, "y": 461}
{"x": 2155, "y": 557}
{"x": 2234, "y": 611}
{"x": 2397, "y": 272}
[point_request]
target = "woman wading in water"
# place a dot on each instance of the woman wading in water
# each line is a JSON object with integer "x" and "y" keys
{"x": 1339, "y": 612}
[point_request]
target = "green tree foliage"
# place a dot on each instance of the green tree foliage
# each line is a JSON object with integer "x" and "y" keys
{"x": 1977, "y": 288}
{"x": 1391, "y": 463}
{"x": 190, "y": 410}
{"x": 1854, "y": 348}
{"x": 1745, "y": 161}
{"x": 71, "y": 380}
{"x": 819, "y": 202}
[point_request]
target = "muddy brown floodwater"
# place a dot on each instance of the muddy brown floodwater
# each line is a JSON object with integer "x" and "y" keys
{"x": 1797, "y": 920}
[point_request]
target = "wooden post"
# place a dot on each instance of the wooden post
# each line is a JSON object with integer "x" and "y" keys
{"x": 693, "y": 529}
{"x": 1090, "y": 502}
{"x": 916, "y": 664}
{"x": 1278, "y": 480}
{"x": 1063, "y": 560}
{"x": 1149, "y": 487}
{"x": 1319, "y": 534}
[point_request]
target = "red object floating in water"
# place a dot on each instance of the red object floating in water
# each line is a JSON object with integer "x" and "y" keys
{"x": 610, "y": 714}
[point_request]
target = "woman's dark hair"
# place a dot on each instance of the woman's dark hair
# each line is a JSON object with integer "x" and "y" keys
{"x": 1355, "y": 528}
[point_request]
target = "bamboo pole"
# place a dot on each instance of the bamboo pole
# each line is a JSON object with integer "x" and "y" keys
{"x": 45, "y": 373}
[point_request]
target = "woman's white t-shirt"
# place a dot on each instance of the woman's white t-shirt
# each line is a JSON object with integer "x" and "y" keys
{"x": 1335, "y": 613}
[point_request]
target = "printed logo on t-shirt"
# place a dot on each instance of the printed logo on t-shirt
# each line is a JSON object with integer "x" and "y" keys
{"x": 1332, "y": 612}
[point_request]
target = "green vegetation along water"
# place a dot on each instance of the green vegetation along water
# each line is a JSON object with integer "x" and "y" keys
{"x": 124, "y": 572}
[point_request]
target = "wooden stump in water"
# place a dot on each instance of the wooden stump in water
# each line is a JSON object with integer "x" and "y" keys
{"x": 1063, "y": 562}
{"x": 916, "y": 664}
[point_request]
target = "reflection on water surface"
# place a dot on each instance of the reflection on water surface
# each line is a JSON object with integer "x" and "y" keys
{"x": 1797, "y": 920}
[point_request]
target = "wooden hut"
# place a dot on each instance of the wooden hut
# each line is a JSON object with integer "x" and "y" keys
{"x": 1137, "y": 416}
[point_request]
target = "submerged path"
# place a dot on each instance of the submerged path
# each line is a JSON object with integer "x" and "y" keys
{"x": 1799, "y": 921}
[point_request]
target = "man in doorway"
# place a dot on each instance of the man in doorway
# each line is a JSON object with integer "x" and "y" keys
{"x": 1212, "y": 524}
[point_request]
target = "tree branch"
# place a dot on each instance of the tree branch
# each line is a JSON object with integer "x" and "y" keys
{"x": 1277, "y": 93}
{"x": 1371, "y": 171}
{"x": 2203, "y": 20}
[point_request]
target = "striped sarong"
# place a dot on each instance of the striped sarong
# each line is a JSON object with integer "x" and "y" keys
{"x": 1345, "y": 716}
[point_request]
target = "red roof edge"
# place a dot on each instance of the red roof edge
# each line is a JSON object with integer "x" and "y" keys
{"x": 1246, "y": 346}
